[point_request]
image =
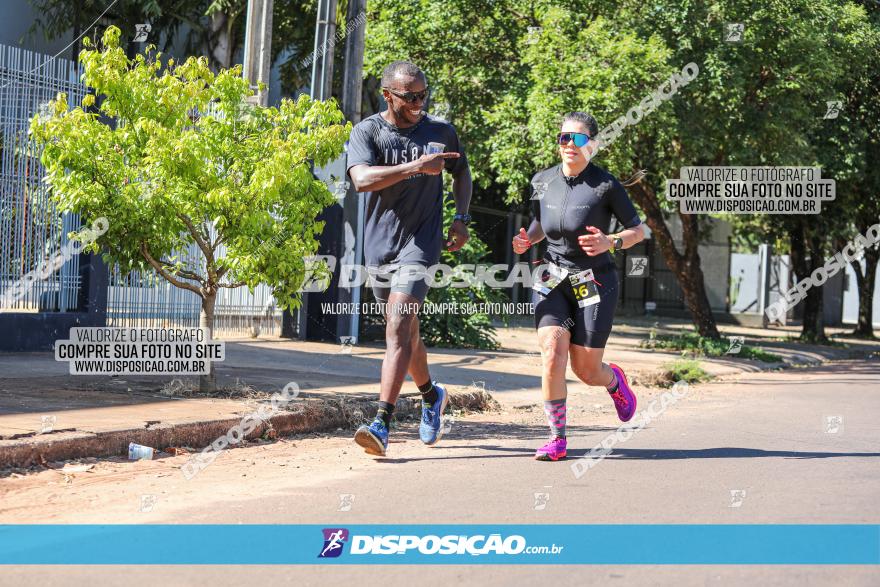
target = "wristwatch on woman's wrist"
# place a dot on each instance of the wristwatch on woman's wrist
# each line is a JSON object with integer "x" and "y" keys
{"x": 616, "y": 243}
{"x": 465, "y": 218}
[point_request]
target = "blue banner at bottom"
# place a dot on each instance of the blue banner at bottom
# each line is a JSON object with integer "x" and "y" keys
{"x": 688, "y": 544}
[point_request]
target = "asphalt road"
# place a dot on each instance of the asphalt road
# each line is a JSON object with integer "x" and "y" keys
{"x": 799, "y": 446}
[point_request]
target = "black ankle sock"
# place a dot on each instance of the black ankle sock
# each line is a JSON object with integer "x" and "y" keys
{"x": 429, "y": 392}
{"x": 386, "y": 410}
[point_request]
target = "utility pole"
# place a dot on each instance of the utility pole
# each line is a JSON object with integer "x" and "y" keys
{"x": 353, "y": 206}
{"x": 343, "y": 232}
{"x": 323, "y": 327}
{"x": 258, "y": 47}
{"x": 352, "y": 83}
{"x": 765, "y": 259}
{"x": 322, "y": 56}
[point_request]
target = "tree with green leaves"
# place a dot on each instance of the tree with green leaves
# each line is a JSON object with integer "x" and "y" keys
{"x": 861, "y": 116}
{"x": 840, "y": 47}
{"x": 753, "y": 103}
{"x": 507, "y": 95}
{"x": 580, "y": 61}
{"x": 509, "y": 69}
{"x": 188, "y": 161}
{"x": 471, "y": 51}
{"x": 866, "y": 191}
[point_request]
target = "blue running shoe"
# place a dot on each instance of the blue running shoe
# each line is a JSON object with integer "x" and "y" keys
{"x": 374, "y": 438}
{"x": 431, "y": 427}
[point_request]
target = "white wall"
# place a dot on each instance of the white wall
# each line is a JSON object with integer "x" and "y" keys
{"x": 851, "y": 297}
{"x": 17, "y": 18}
{"x": 714, "y": 259}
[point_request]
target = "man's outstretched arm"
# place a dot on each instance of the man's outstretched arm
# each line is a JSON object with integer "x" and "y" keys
{"x": 372, "y": 178}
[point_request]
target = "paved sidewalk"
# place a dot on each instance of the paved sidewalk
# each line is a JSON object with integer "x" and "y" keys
{"x": 41, "y": 404}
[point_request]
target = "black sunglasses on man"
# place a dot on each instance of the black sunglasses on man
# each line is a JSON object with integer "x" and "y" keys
{"x": 411, "y": 97}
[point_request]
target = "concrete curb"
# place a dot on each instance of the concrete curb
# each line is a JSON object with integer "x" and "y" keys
{"x": 312, "y": 415}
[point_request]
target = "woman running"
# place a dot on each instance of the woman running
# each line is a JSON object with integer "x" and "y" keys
{"x": 577, "y": 295}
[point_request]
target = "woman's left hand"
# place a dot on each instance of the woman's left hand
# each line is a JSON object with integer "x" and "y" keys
{"x": 594, "y": 243}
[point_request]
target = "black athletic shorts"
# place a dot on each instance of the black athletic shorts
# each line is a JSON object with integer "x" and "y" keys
{"x": 409, "y": 279}
{"x": 589, "y": 326}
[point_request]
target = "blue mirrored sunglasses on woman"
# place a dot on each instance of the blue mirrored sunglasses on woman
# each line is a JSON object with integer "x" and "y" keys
{"x": 579, "y": 138}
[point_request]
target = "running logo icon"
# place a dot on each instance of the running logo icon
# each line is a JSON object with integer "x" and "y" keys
{"x": 340, "y": 189}
{"x": 736, "y": 344}
{"x": 346, "y": 500}
{"x": 833, "y": 424}
{"x": 147, "y": 503}
{"x": 141, "y": 31}
{"x": 637, "y": 266}
{"x": 347, "y": 342}
{"x": 541, "y": 500}
{"x": 534, "y": 34}
{"x": 47, "y": 424}
{"x": 539, "y": 190}
{"x": 737, "y": 496}
{"x": 734, "y": 32}
{"x": 447, "y": 424}
{"x": 334, "y": 540}
{"x": 833, "y": 109}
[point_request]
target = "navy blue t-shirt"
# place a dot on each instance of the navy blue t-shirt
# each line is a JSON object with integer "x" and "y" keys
{"x": 404, "y": 221}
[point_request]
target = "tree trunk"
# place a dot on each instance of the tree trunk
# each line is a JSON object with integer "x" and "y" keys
{"x": 814, "y": 322}
{"x": 222, "y": 39}
{"x": 813, "y": 329}
{"x": 865, "y": 285}
{"x": 208, "y": 383}
{"x": 685, "y": 266}
{"x": 77, "y": 30}
{"x": 694, "y": 288}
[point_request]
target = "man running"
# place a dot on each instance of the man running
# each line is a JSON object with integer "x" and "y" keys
{"x": 391, "y": 162}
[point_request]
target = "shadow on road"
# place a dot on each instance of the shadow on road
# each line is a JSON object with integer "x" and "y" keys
{"x": 535, "y": 433}
{"x": 485, "y": 431}
{"x": 726, "y": 452}
{"x": 633, "y": 454}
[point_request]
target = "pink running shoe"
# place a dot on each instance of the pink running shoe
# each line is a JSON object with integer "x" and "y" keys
{"x": 624, "y": 398}
{"x": 552, "y": 451}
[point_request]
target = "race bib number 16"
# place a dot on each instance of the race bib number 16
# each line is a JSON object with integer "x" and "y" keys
{"x": 585, "y": 290}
